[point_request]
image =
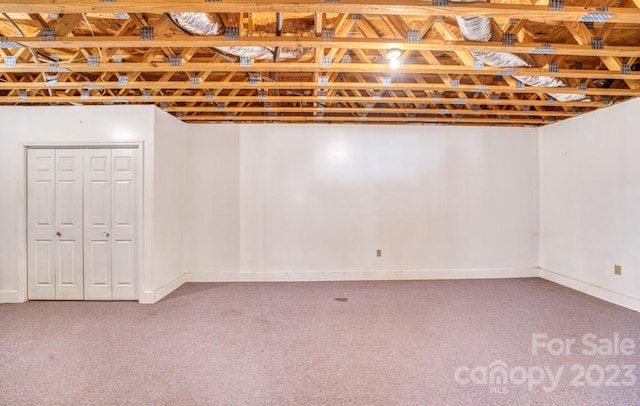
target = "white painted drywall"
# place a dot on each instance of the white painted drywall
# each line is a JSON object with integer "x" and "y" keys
{"x": 590, "y": 203}
{"x": 282, "y": 202}
{"x": 294, "y": 201}
{"x": 212, "y": 198}
{"x": 317, "y": 201}
{"x": 54, "y": 126}
{"x": 170, "y": 197}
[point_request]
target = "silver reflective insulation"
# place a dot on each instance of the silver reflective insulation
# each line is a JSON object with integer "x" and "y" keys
{"x": 211, "y": 25}
{"x": 500, "y": 59}
{"x": 479, "y": 29}
{"x": 475, "y": 28}
{"x": 198, "y": 23}
{"x": 540, "y": 81}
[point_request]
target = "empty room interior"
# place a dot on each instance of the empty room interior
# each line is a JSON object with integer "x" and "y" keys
{"x": 319, "y": 202}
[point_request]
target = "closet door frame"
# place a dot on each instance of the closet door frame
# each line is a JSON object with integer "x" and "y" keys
{"x": 141, "y": 254}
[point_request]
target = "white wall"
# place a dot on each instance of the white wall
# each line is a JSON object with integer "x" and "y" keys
{"x": 229, "y": 202}
{"x": 589, "y": 203}
{"x": 170, "y": 197}
{"x": 56, "y": 126}
{"x": 316, "y": 201}
{"x": 212, "y": 198}
{"x": 286, "y": 202}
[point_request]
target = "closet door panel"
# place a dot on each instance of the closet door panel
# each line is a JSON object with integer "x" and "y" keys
{"x": 123, "y": 220}
{"x": 68, "y": 224}
{"x": 81, "y": 224}
{"x": 97, "y": 224}
{"x": 41, "y": 262}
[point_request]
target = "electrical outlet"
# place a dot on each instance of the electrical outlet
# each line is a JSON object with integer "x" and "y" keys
{"x": 617, "y": 269}
{"x": 378, "y": 253}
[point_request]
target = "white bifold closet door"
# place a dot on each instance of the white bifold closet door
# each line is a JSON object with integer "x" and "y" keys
{"x": 108, "y": 225}
{"x": 54, "y": 212}
{"x": 81, "y": 224}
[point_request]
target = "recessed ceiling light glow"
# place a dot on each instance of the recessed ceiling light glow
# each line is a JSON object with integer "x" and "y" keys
{"x": 393, "y": 53}
{"x": 395, "y": 63}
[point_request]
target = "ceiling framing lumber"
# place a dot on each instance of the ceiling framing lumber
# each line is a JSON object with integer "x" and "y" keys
{"x": 313, "y": 85}
{"x": 309, "y": 42}
{"x": 376, "y": 7}
{"x": 323, "y": 61}
{"x": 42, "y": 99}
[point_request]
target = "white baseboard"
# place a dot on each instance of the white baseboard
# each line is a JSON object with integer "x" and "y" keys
{"x": 147, "y": 297}
{"x": 621, "y": 299}
{"x": 630, "y": 302}
{"x": 169, "y": 287}
{"x": 361, "y": 275}
{"x": 10, "y": 296}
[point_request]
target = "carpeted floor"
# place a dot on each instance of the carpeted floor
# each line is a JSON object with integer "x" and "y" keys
{"x": 381, "y": 343}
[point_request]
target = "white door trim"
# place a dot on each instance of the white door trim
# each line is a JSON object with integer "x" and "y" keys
{"x": 144, "y": 271}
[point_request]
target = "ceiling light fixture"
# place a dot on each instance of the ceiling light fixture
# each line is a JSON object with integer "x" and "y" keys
{"x": 393, "y": 53}
{"x": 394, "y": 56}
{"x": 395, "y": 63}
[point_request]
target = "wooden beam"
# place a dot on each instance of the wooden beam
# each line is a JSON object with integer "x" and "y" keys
{"x": 318, "y": 23}
{"x": 395, "y": 7}
{"x": 582, "y": 36}
{"x": 97, "y": 98}
{"x": 183, "y": 41}
{"x": 369, "y": 118}
{"x": 374, "y": 110}
{"x": 295, "y": 85}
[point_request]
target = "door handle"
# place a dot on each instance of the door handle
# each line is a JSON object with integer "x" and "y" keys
{"x": 105, "y": 234}
{"x": 59, "y": 234}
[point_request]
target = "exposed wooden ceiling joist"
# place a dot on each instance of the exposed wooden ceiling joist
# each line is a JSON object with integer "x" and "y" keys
{"x": 392, "y": 7}
{"x": 582, "y": 52}
{"x": 312, "y": 43}
{"x": 311, "y": 85}
{"x": 156, "y": 67}
{"x": 301, "y": 100}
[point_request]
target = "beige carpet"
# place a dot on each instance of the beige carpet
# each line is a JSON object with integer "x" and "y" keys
{"x": 381, "y": 343}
